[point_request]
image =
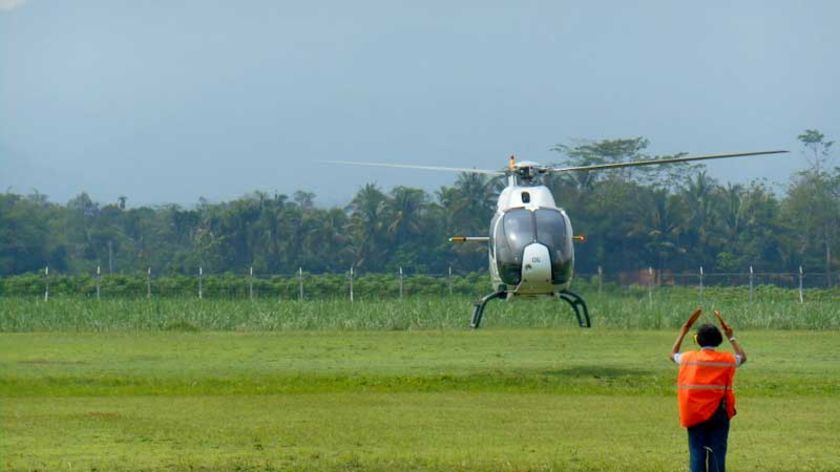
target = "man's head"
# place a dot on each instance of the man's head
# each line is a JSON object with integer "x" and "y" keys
{"x": 708, "y": 336}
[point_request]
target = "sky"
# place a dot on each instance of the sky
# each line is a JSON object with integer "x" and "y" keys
{"x": 170, "y": 101}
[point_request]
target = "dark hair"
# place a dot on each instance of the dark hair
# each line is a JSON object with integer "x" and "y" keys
{"x": 709, "y": 336}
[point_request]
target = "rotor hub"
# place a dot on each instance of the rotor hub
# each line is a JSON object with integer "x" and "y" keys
{"x": 524, "y": 171}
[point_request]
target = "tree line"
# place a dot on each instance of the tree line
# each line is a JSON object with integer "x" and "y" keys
{"x": 667, "y": 217}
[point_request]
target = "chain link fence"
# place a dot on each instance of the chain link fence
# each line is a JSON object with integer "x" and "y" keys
{"x": 353, "y": 285}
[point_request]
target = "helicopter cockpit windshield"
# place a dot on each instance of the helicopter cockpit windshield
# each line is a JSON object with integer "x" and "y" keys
{"x": 520, "y": 227}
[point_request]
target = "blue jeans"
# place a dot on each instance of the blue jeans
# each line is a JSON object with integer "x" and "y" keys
{"x": 707, "y": 443}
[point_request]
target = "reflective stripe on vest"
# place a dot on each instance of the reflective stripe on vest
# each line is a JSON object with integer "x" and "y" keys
{"x": 710, "y": 364}
{"x": 704, "y": 387}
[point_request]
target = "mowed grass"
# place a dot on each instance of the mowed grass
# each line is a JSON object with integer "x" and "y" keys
{"x": 494, "y": 399}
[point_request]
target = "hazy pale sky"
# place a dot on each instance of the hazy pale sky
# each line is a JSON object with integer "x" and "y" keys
{"x": 169, "y": 101}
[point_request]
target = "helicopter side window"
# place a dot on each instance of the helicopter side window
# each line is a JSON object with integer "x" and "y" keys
{"x": 553, "y": 232}
{"x": 492, "y": 240}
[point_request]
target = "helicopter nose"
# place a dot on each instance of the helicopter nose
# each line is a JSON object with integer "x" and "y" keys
{"x": 536, "y": 268}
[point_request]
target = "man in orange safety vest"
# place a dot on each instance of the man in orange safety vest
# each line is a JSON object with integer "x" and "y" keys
{"x": 704, "y": 391}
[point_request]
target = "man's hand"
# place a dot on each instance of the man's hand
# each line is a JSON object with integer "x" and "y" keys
{"x": 692, "y": 319}
{"x": 730, "y": 335}
{"x": 684, "y": 330}
{"x": 726, "y": 328}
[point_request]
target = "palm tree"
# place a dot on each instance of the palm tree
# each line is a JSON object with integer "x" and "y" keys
{"x": 405, "y": 210}
{"x": 470, "y": 203}
{"x": 367, "y": 223}
{"x": 700, "y": 199}
{"x": 658, "y": 221}
{"x": 732, "y": 210}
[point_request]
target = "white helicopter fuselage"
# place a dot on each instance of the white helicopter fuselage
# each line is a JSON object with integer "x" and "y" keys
{"x": 530, "y": 242}
{"x": 530, "y": 247}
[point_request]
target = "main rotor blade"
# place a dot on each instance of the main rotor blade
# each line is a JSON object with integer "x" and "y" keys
{"x": 407, "y": 166}
{"x": 649, "y": 162}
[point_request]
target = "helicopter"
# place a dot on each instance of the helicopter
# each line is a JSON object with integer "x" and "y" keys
{"x": 530, "y": 243}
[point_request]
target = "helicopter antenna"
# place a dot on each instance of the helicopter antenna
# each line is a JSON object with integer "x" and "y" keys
{"x": 649, "y": 162}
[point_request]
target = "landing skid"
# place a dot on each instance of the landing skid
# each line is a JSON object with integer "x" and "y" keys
{"x": 573, "y": 299}
{"x": 478, "y": 309}
{"x": 579, "y": 305}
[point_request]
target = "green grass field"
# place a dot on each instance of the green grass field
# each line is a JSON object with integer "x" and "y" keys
{"x": 502, "y": 398}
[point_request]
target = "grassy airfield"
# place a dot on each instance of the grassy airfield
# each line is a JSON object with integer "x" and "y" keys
{"x": 502, "y": 398}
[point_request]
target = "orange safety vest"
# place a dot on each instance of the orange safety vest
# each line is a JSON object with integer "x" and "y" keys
{"x": 704, "y": 380}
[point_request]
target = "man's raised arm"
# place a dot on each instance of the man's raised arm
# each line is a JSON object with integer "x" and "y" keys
{"x": 730, "y": 335}
{"x": 684, "y": 330}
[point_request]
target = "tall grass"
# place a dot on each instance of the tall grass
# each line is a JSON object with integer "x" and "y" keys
{"x": 666, "y": 309}
{"x": 238, "y": 286}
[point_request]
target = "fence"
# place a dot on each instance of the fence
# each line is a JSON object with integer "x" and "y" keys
{"x": 299, "y": 285}
{"x": 302, "y": 285}
{"x": 800, "y": 281}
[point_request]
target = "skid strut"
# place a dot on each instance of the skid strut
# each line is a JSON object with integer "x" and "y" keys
{"x": 579, "y": 305}
{"x": 478, "y": 309}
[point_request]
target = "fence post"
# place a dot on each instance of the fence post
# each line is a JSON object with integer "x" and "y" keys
{"x": 300, "y": 283}
{"x": 149, "y": 283}
{"x": 46, "y": 283}
{"x": 200, "y": 277}
{"x": 401, "y": 283}
{"x": 600, "y": 279}
{"x": 701, "y": 283}
{"x": 351, "y": 284}
{"x": 449, "y": 280}
{"x": 751, "y": 284}
{"x": 98, "y": 276}
{"x": 801, "y": 297}
{"x": 650, "y": 285}
{"x": 251, "y": 283}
